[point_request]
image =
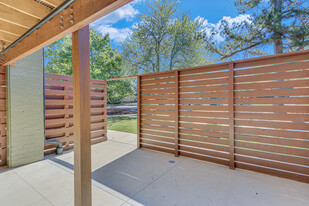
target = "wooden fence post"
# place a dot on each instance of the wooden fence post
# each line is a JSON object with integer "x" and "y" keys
{"x": 138, "y": 111}
{"x": 105, "y": 109}
{"x": 231, "y": 116}
{"x": 66, "y": 117}
{"x": 176, "y": 113}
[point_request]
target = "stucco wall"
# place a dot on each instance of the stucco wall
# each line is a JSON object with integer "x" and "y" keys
{"x": 25, "y": 110}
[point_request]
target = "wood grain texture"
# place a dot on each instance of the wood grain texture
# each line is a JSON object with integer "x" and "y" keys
{"x": 251, "y": 114}
{"x": 28, "y": 7}
{"x": 85, "y": 12}
{"x": 59, "y": 110}
{"x": 13, "y": 16}
{"x": 82, "y": 124}
{"x": 53, "y": 3}
{"x": 176, "y": 87}
{"x": 3, "y": 149}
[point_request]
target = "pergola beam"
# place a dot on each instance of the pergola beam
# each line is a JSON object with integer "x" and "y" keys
{"x": 84, "y": 12}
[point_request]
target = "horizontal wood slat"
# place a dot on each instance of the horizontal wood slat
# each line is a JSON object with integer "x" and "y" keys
{"x": 268, "y": 130}
{"x": 59, "y": 110}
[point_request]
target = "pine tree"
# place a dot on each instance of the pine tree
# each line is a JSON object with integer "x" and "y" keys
{"x": 282, "y": 23}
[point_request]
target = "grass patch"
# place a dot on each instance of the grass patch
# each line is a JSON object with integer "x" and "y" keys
{"x": 122, "y": 124}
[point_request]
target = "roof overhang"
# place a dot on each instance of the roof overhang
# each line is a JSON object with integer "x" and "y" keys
{"x": 77, "y": 15}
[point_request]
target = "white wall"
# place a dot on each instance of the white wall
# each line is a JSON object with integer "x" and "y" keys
{"x": 25, "y": 111}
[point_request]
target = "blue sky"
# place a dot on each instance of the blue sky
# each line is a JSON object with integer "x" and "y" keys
{"x": 119, "y": 23}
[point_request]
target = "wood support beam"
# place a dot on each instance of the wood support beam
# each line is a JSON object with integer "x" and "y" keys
{"x": 82, "y": 121}
{"x": 29, "y": 7}
{"x": 84, "y": 12}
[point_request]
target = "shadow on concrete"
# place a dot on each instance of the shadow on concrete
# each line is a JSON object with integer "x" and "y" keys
{"x": 131, "y": 173}
{"x": 4, "y": 169}
{"x": 134, "y": 171}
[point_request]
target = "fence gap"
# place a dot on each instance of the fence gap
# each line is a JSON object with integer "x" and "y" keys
{"x": 231, "y": 116}
{"x": 176, "y": 113}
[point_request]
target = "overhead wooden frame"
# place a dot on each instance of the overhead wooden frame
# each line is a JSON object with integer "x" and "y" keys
{"x": 29, "y": 7}
{"x": 76, "y": 16}
{"x": 18, "y": 16}
{"x": 53, "y": 3}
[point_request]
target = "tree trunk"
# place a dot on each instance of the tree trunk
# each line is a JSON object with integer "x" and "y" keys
{"x": 278, "y": 44}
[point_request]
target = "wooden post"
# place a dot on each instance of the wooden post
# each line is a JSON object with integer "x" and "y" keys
{"x": 176, "y": 113}
{"x": 138, "y": 111}
{"x": 105, "y": 109}
{"x": 231, "y": 116}
{"x": 81, "y": 115}
{"x": 66, "y": 117}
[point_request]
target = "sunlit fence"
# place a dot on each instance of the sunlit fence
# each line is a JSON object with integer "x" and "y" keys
{"x": 251, "y": 114}
{"x": 59, "y": 110}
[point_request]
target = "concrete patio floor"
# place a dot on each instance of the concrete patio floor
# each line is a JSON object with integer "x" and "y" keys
{"x": 123, "y": 175}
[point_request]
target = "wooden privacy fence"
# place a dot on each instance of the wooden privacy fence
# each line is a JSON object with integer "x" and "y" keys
{"x": 2, "y": 117}
{"x": 251, "y": 114}
{"x": 59, "y": 110}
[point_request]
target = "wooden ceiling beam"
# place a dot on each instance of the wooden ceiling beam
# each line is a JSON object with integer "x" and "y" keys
{"x": 84, "y": 12}
{"x": 29, "y": 7}
{"x": 5, "y": 44}
{"x": 7, "y": 37}
{"x": 15, "y": 17}
{"x": 54, "y": 3}
{"x": 12, "y": 28}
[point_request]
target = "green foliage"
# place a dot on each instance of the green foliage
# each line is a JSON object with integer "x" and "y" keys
{"x": 105, "y": 63}
{"x": 123, "y": 124}
{"x": 282, "y": 23}
{"x": 163, "y": 39}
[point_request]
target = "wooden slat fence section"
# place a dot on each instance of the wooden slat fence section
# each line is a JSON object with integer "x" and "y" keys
{"x": 251, "y": 114}
{"x": 157, "y": 111}
{"x": 2, "y": 117}
{"x": 204, "y": 114}
{"x": 59, "y": 110}
{"x": 272, "y": 118}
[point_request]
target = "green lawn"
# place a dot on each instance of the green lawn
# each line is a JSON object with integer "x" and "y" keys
{"x": 123, "y": 124}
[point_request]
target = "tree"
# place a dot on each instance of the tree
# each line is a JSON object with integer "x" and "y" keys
{"x": 105, "y": 63}
{"x": 283, "y": 23}
{"x": 163, "y": 39}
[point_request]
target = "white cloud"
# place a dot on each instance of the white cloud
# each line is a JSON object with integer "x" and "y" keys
{"x": 106, "y": 24}
{"x": 217, "y": 27}
{"x": 127, "y": 12}
{"x": 116, "y": 34}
